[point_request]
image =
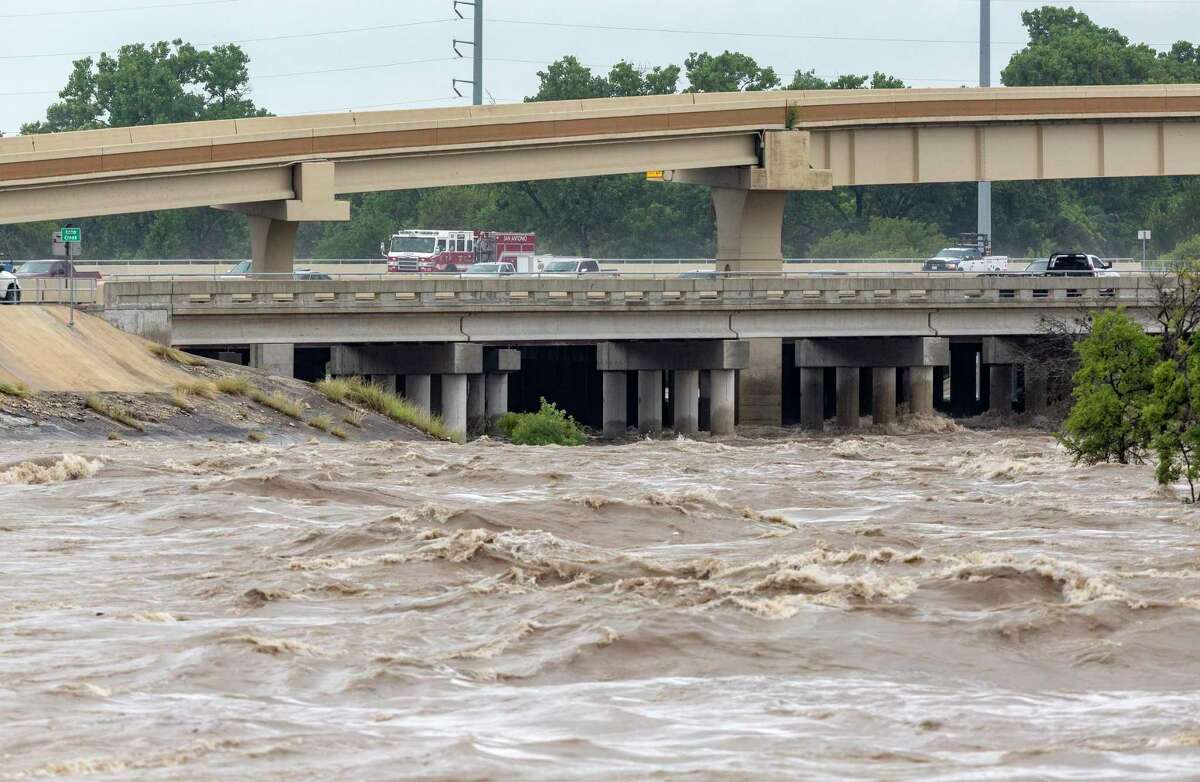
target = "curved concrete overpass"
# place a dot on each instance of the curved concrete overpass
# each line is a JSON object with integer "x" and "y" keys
{"x": 750, "y": 147}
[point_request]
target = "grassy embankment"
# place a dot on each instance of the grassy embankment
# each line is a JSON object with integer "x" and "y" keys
{"x": 356, "y": 391}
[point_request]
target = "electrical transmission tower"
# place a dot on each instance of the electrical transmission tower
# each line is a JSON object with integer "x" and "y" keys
{"x": 477, "y": 44}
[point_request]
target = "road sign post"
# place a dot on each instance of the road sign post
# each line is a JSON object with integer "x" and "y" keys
{"x": 1144, "y": 238}
{"x": 68, "y": 242}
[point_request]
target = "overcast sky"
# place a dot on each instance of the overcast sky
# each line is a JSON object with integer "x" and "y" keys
{"x": 940, "y": 50}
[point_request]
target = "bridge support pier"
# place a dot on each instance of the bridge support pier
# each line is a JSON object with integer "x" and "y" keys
{"x": 722, "y": 387}
{"x": 883, "y": 395}
{"x": 1000, "y": 388}
{"x": 1036, "y": 389}
{"x": 615, "y": 393}
{"x": 812, "y": 398}
{"x": 650, "y": 399}
{"x": 495, "y": 396}
{"x": 418, "y": 389}
{"x": 275, "y": 359}
{"x": 454, "y": 404}
{"x": 476, "y": 408}
{"x": 273, "y": 224}
{"x": 687, "y": 401}
{"x": 847, "y": 397}
{"x": 386, "y": 382}
{"x": 920, "y": 390}
{"x": 886, "y": 357}
{"x": 688, "y": 359}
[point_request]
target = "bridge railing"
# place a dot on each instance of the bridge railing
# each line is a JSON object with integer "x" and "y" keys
{"x": 391, "y": 293}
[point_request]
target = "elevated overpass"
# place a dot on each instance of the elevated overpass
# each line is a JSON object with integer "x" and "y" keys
{"x": 750, "y": 148}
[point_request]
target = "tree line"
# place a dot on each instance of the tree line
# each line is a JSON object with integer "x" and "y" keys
{"x": 626, "y": 216}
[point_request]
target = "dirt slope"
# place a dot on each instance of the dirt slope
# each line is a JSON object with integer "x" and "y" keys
{"x": 41, "y": 351}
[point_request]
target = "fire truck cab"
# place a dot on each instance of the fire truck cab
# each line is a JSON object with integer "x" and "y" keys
{"x": 417, "y": 250}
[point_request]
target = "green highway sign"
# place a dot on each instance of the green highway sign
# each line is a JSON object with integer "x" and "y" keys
{"x": 70, "y": 234}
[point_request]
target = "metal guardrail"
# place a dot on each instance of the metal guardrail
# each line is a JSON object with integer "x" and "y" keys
{"x": 55, "y": 290}
{"x": 399, "y": 293}
{"x": 303, "y": 262}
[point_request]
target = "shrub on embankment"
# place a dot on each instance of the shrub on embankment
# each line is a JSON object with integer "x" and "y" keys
{"x": 377, "y": 399}
{"x": 548, "y": 426}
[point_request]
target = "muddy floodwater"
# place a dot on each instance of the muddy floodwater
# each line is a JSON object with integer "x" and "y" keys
{"x": 955, "y": 605}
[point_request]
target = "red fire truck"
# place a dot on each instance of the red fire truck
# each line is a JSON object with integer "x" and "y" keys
{"x": 454, "y": 251}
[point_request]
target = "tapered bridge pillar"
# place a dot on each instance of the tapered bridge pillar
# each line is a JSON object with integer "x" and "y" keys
{"x": 273, "y": 224}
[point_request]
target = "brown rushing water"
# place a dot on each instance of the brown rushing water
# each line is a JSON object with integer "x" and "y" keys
{"x": 933, "y": 606}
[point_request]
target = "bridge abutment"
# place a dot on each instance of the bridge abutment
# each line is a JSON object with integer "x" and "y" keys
{"x": 275, "y": 358}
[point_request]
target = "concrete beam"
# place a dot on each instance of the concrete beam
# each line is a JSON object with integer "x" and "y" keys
{"x": 873, "y": 352}
{"x": 445, "y": 359}
{"x": 682, "y": 354}
{"x": 999, "y": 350}
{"x": 501, "y": 360}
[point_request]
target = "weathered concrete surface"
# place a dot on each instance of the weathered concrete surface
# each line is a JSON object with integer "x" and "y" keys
{"x": 672, "y": 355}
{"x": 41, "y": 351}
{"x": 848, "y": 397}
{"x": 496, "y": 395}
{"x": 454, "y": 403}
{"x": 446, "y": 359}
{"x": 870, "y": 352}
{"x": 760, "y": 384}
{"x": 615, "y": 393}
{"x": 1000, "y": 388}
{"x": 883, "y": 395}
{"x": 152, "y": 324}
{"x": 722, "y": 386}
{"x": 687, "y": 401}
{"x": 812, "y": 398}
{"x": 650, "y": 399}
{"x": 920, "y": 390}
{"x": 277, "y": 359}
{"x": 418, "y": 389}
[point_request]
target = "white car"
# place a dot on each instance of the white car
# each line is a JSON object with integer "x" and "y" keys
{"x": 567, "y": 266}
{"x": 490, "y": 270}
{"x": 11, "y": 287}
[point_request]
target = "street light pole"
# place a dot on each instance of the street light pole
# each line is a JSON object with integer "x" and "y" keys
{"x": 478, "y": 77}
{"x": 985, "y": 80}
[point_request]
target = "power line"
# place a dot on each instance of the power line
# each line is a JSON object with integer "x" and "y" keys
{"x": 288, "y": 37}
{"x": 785, "y": 36}
{"x": 39, "y": 14}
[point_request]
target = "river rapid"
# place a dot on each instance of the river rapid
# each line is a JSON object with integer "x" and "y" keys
{"x": 950, "y": 605}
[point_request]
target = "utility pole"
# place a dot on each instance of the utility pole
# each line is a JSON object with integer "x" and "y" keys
{"x": 985, "y": 80}
{"x": 477, "y": 80}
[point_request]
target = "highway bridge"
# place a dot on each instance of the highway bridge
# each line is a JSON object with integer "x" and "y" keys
{"x": 750, "y": 149}
{"x": 720, "y": 338}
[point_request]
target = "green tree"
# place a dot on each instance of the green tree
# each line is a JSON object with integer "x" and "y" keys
{"x": 1172, "y": 413}
{"x": 727, "y": 72}
{"x": 1107, "y": 421}
{"x": 808, "y": 80}
{"x": 884, "y": 237}
{"x": 147, "y": 85}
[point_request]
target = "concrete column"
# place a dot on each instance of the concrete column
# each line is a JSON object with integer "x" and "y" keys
{"x": 812, "y": 398}
{"x": 615, "y": 400}
{"x": 475, "y": 404}
{"x": 650, "y": 399}
{"x": 1000, "y": 388}
{"x": 847, "y": 397}
{"x": 386, "y": 382}
{"x": 272, "y": 245}
{"x": 687, "y": 401}
{"x": 920, "y": 390}
{"x": 760, "y": 384}
{"x": 883, "y": 394}
{"x": 749, "y": 229}
{"x": 1037, "y": 390}
{"x": 454, "y": 403}
{"x": 418, "y": 390}
{"x": 721, "y": 386}
{"x": 274, "y": 359}
{"x": 704, "y": 419}
{"x": 495, "y": 395}
{"x": 903, "y": 387}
